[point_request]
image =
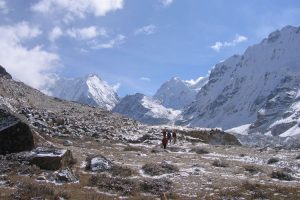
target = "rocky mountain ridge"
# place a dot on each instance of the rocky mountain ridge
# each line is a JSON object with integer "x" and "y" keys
{"x": 259, "y": 88}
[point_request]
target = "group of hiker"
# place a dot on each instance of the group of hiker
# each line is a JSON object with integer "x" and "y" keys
{"x": 168, "y": 136}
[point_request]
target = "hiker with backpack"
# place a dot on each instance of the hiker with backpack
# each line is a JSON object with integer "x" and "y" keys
{"x": 174, "y": 136}
{"x": 169, "y": 136}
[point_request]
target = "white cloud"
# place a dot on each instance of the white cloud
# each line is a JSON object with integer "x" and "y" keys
{"x": 145, "y": 79}
{"x": 116, "y": 87}
{"x": 86, "y": 33}
{"x": 147, "y": 30}
{"x": 115, "y": 42}
{"x": 30, "y": 65}
{"x": 78, "y": 8}
{"x": 3, "y": 7}
{"x": 166, "y": 2}
{"x": 55, "y": 34}
{"x": 238, "y": 39}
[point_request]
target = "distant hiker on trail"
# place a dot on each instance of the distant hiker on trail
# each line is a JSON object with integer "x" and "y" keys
{"x": 164, "y": 132}
{"x": 164, "y": 142}
{"x": 174, "y": 136}
{"x": 169, "y": 136}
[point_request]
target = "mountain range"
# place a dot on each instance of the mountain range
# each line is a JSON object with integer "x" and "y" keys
{"x": 256, "y": 92}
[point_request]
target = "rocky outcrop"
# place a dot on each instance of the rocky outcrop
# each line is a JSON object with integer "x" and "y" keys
{"x": 213, "y": 137}
{"x": 15, "y": 135}
{"x": 4, "y": 74}
{"x": 51, "y": 159}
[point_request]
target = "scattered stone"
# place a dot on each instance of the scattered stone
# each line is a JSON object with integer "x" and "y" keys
{"x": 51, "y": 159}
{"x": 41, "y": 178}
{"x": 219, "y": 163}
{"x": 298, "y": 157}
{"x": 67, "y": 143}
{"x": 282, "y": 175}
{"x": 273, "y": 160}
{"x": 66, "y": 176}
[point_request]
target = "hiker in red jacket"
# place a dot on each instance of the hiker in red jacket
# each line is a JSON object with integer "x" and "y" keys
{"x": 164, "y": 142}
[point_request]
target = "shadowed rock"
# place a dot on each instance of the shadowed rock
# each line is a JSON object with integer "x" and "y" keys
{"x": 4, "y": 73}
{"x": 15, "y": 135}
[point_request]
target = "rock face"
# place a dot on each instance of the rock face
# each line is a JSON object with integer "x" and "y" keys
{"x": 260, "y": 88}
{"x": 3, "y": 73}
{"x": 15, "y": 135}
{"x": 51, "y": 159}
{"x": 89, "y": 90}
{"x": 145, "y": 109}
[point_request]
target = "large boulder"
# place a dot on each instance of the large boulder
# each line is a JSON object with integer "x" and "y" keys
{"x": 3, "y": 73}
{"x": 98, "y": 163}
{"x": 51, "y": 159}
{"x": 15, "y": 135}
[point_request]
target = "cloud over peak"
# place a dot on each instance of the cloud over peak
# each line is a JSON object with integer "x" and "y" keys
{"x": 30, "y": 65}
{"x": 238, "y": 39}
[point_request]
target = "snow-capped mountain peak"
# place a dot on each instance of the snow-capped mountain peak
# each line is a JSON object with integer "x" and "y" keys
{"x": 145, "y": 109}
{"x": 88, "y": 90}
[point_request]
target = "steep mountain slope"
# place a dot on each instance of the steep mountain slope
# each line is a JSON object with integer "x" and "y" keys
{"x": 89, "y": 90}
{"x": 145, "y": 109}
{"x": 260, "y": 88}
{"x": 177, "y": 93}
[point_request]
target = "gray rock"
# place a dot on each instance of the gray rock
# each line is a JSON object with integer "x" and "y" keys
{"x": 68, "y": 143}
{"x": 99, "y": 164}
{"x": 15, "y": 135}
{"x": 66, "y": 176}
{"x": 51, "y": 159}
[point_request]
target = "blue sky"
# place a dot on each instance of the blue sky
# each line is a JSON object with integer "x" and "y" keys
{"x": 136, "y": 44}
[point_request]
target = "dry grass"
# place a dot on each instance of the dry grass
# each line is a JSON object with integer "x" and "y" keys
{"x": 118, "y": 185}
{"x": 121, "y": 171}
{"x": 154, "y": 169}
{"x": 200, "y": 150}
{"x": 132, "y": 148}
{"x": 249, "y": 191}
{"x": 252, "y": 169}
